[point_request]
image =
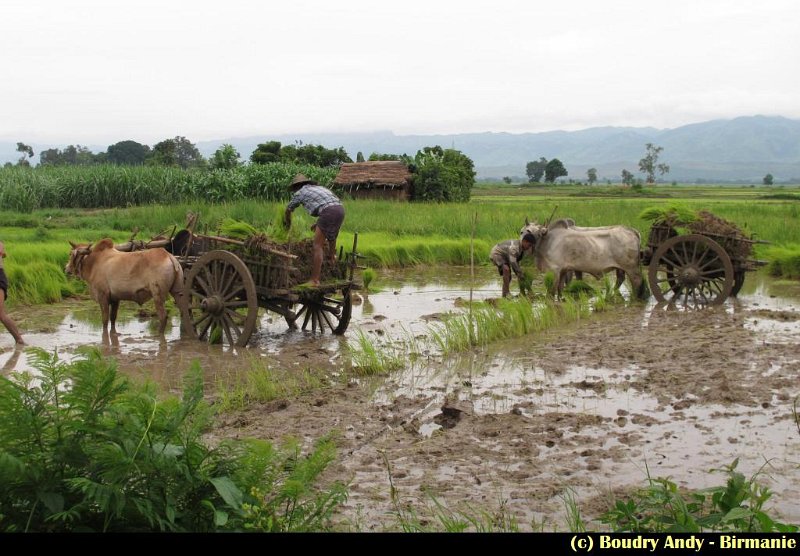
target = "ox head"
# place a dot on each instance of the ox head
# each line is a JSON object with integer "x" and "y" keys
{"x": 537, "y": 230}
{"x": 77, "y": 256}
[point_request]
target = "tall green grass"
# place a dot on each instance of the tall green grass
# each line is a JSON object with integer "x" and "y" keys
{"x": 391, "y": 234}
{"x": 28, "y": 189}
{"x": 784, "y": 261}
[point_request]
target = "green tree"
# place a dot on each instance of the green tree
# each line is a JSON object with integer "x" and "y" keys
{"x": 318, "y": 155}
{"x": 649, "y": 164}
{"x": 535, "y": 170}
{"x": 226, "y": 157}
{"x": 443, "y": 175}
{"x": 27, "y": 154}
{"x": 554, "y": 169}
{"x": 127, "y": 153}
{"x": 177, "y": 152}
{"x": 768, "y": 179}
{"x": 72, "y": 155}
{"x": 359, "y": 156}
{"x": 164, "y": 154}
{"x": 266, "y": 153}
{"x": 507, "y": 180}
{"x": 591, "y": 174}
{"x": 627, "y": 177}
{"x": 379, "y": 156}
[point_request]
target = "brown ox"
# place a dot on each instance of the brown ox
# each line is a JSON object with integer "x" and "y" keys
{"x": 114, "y": 276}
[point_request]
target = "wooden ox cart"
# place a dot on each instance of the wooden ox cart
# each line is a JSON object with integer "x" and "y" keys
{"x": 701, "y": 268}
{"x": 227, "y": 280}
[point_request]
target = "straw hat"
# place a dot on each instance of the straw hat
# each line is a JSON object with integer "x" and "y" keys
{"x": 301, "y": 180}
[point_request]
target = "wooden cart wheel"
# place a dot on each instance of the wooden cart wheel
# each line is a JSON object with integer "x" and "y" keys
{"x": 325, "y": 311}
{"x": 222, "y": 303}
{"x": 738, "y": 282}
{"x": 693, "y": 269}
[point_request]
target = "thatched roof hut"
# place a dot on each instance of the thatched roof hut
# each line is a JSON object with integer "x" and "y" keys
{"x": 383, "y": 179}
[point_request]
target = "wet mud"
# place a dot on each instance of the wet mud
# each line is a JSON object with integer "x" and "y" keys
{"x": 584, "y": 411}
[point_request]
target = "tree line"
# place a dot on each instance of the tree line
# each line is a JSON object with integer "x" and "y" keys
{"x": 554, "y": 169}
{"x": 438, "y": 174}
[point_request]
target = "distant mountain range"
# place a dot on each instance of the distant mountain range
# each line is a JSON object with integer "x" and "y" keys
{"x": 743, "y": 149}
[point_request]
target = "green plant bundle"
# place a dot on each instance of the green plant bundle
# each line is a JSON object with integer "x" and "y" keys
{"x": 367, "y": 276}
{"x": 672, "y": 214}
{"x": 236, "y": 229}
{"x": 82, "y": 449}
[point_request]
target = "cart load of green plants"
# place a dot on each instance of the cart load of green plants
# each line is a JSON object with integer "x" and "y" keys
{"x": 283, "y": 271}
{"x": 685, "y": 220}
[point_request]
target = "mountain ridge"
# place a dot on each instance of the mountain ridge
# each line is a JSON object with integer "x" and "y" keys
{"x": 742, "y": 149}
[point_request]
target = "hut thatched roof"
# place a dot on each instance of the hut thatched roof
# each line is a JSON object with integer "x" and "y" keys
{"x": 380, "y": 173}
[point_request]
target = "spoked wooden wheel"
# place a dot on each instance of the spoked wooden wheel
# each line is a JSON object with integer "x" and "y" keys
{"x": 222, "y": 303}
{"x": 325, "y": 312}
{"x": 691, "y": 269}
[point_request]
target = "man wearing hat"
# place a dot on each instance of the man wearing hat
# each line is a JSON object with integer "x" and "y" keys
{"x": 320, "y": 202}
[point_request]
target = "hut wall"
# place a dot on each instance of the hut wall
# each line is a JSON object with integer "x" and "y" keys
{"x": 393, "y": 194}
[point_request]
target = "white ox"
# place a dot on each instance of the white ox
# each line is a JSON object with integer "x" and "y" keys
{"x": 115, "y": 276}
{"x": 570, "y": 223}
{"x": 564, "y": 248}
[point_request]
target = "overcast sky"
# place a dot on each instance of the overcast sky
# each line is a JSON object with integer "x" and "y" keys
{"x": 100, "y": 71}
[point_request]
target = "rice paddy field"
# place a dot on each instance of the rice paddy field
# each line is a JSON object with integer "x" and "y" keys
{"x": 546, "y": 409}
{"x": 390, "y": 234}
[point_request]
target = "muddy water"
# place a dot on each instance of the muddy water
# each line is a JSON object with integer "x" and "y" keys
{"x": 587, "y": 409}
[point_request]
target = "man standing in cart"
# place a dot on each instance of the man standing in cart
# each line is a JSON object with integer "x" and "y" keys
{"x": 322, "y": 203}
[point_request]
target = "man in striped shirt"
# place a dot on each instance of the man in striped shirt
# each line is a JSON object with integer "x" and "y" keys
{"x": 506, "y": 256}
{"x": 320, "y": 202}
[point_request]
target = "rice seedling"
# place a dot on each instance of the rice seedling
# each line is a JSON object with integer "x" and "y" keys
{"x": 261, "y": 383}
{"x": 369, "y": 359}
{"x": 367, "y": 276}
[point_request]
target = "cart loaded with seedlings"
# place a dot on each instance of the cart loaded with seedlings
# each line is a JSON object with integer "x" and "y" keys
{"x": 696, "y": 259}
{"x": 227, "y": 280}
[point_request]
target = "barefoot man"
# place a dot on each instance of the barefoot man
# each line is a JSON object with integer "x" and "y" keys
{"x": 320, "y": 202}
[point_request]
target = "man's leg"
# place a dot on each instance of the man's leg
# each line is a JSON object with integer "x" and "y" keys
{"x": 316, "y": 263}
{"x": 7, "y": 322}
{"x": 506, "y": 280}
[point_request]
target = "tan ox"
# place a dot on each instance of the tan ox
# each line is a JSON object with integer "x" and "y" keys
{"x": 115, "y": 276}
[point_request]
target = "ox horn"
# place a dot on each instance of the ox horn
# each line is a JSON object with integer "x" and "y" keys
{"x": 527, "y": 221}
{"x": 73, "y": 245}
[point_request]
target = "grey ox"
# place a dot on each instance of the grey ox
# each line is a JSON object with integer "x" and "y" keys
{"x": 114, "y": 276}
{"x": 565, "y": 248}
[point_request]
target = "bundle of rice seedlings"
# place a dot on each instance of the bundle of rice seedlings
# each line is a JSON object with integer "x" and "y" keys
{"x": 236, "y": 229}
{"x": 672, "y": 215}
{"x": 525, "y": 283}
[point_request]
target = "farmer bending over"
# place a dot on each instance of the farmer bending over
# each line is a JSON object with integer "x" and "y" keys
{"x": 320, "y": 202}
{"x": 506, "y": 256}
